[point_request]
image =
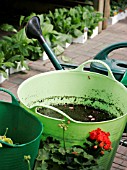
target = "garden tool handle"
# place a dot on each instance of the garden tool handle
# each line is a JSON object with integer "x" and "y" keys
{"x": 110, "y": 74}
{"x": 124, "y": 79}
{"x": 14, "y": 99}
{"x": 103, "y": 55}
{"x": 66, "y": 117}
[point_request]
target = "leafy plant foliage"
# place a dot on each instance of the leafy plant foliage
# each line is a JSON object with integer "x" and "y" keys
{"x": 54, "y": 156}
{"x": 117, "y": 6}
{"x": 17, "y": 48}
{"x": 58, "y": 28}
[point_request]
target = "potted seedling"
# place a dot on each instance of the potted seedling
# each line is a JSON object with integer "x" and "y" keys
{"x": 4, "y": 68}
{"x": 17, "y": 49}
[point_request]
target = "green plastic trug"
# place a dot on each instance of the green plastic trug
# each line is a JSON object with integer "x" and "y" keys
{"x": 24, "y": 129}
{"x": 66, "y": 85}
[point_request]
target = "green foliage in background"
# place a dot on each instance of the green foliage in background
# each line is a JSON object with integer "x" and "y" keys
{"x": 58, "y": 28}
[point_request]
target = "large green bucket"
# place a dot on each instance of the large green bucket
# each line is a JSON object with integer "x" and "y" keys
{"x": 78, "y": 87}
{"x": 24, "y": 129}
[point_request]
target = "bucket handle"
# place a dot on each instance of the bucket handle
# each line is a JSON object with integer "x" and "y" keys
{"x": 14, "y": 99}
{"x": 66, "y": 117}
{"x": 110, "y": 74}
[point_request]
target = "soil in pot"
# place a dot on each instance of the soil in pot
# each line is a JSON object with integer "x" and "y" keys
{"x": 79, "y": 113}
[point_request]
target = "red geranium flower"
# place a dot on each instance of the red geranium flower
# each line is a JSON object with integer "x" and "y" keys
{"x": 102, "y": 138}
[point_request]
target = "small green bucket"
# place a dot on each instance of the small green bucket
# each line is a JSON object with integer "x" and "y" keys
{"x": 24, "y": 129}
{"x": 78, "y": 87}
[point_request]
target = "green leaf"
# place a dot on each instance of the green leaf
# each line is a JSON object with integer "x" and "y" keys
{"x": 41, "y": 17}
{"x": 76, "y": 161}
{"x": 88, "y": 2}
{"x": 7, "y": 38}
{"x": 43, "y": 155}
{"x": 58, "y": 50}
{"x": 89, "y": 157}
{"x": 4, "y": 73}
{"x": 56, "y": 158}
{"x": 24, "y": 51}
{"x": 39, "y": 168}
{"x": 24, "y": 20}
{"x": 24, "y": 64}
{"x": 47, "y": 28}
{"x": 65, "y": 58}
{"x": 62, "y": 150}
{"x": 44, "y": 166}
{"x": 21, "y": 19}
{"x": 8, "y": 27}
{"x": 77, "y": 33}
{"x": 47, "y": 38}
{"x": 14, "y": 58}
{"x": 78, "y": 150}
{"x": 21, "y": 35}
{"x": 1, "y": 57}
{"x": 8, "y": 64}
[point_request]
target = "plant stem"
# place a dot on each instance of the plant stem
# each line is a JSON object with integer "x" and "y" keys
{"x": 6, "y": 132}
{"x": 29, "y": 168}
{"x": 27, "y": 158}
{"x": 64, "y": 139}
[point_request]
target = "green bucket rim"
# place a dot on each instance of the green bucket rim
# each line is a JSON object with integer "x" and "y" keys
{"x": 81, "y": 71}
{"x": 79, "y": 122}
{"x": 72, "y": 71}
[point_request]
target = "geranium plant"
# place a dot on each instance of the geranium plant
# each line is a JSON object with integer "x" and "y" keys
{"x": 54, "y": 156}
